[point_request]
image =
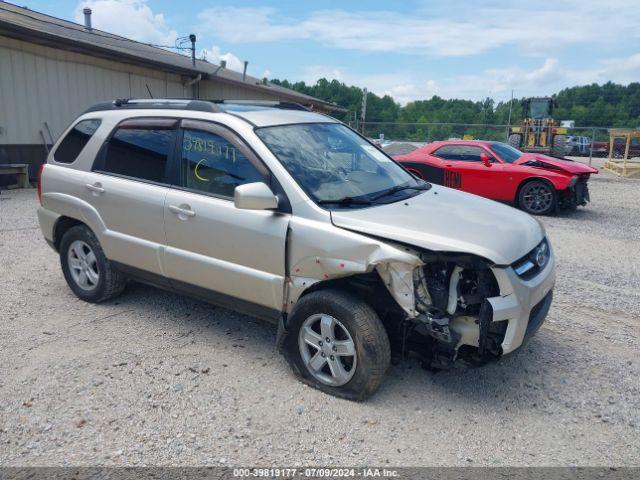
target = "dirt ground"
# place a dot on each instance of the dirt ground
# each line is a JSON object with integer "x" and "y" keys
{"x": 153, "y": 378}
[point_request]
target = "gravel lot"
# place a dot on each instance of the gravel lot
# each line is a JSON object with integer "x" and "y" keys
{"x": 158, "y": 379}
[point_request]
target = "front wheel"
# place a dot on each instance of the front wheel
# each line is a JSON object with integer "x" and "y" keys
{"x": 537, "y": 197}
{"x": 515, "y": 139}
{"x": 337, "y": 344}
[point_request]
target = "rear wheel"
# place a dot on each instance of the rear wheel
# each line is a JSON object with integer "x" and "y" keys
{"x": 337, "y": 344}
{"x": 86, "y": 268}
{"x": 537, "y": 197}
{"x": 558, "y": 149}
{"x": 515, "y": 140}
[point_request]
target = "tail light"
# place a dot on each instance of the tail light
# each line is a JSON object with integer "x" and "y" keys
{"x": 40, "y": 183}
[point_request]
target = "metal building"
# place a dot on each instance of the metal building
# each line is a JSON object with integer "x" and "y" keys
{"x": 51, "y": 70}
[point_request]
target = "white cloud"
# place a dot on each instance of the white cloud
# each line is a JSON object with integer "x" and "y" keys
{"x": 129, "y": 18}
{"x": 545, "y": 79}
{"x": 403, "y": 87}
{"x": 215, "y": 55}
{"x": 438, "y": 29}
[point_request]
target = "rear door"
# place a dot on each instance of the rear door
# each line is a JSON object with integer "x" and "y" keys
{"x": 127, "y": 188}
{"x": 214, "y": 250}
{"x": 465, "y": 170}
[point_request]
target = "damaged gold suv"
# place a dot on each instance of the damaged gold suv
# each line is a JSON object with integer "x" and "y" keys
{"x": 291, "y": 216}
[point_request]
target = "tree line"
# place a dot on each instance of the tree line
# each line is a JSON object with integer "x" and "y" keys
{"x": 607, "y": 105}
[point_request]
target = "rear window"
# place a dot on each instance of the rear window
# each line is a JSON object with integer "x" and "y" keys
{"x": 75, "y": 141}
{"x": 139, "y": 151}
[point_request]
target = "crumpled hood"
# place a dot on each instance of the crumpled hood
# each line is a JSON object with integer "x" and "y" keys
{"x": 565, "y": 165}
{"x": 447, "y": 220}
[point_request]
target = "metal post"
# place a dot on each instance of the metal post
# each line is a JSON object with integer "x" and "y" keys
{"x": 593, "y": 136}
{"x": 363, "y": 116}
{"x": 194, "y": 88}
{"x": 509, "y": 121}
{"x": 192, "y": 37}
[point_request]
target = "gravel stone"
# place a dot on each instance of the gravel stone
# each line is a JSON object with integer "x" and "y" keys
{"x": 153, "y": 378}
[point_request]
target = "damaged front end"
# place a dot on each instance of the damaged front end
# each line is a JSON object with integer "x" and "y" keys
{"x": 436, "y": 304}
{"x": 454, "y": 321}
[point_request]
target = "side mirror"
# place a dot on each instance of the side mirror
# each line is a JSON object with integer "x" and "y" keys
{"x": 486, "y": 159}
{"x": 254, "y": 196}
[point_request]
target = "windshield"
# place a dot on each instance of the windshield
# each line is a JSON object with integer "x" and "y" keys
{"x": 539, "y": 108}
{"x": 506, "y": 152}
{"x": 333, "y": 164}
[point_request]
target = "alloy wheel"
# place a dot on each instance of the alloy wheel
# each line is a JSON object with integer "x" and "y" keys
{"x": 83, "y": 265}
{"x": 537, "y": 198}
{"x": 327, "y": 350}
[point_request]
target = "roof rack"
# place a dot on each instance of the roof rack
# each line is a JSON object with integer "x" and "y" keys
{"x": 264, "y": 104}
{"x": 160, "y": 103}
{"x": 211, "y": 106}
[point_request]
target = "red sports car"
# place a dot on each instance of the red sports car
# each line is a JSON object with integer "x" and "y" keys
{"x": 536, "y": 183}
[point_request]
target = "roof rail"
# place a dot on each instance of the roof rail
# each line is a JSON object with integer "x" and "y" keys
{"x": 264, "y": 103}
{"x": 156, "y": 103}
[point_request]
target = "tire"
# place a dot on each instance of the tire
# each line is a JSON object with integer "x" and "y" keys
{"x": 359, "y": 375}
{"x": 537, "y": 197}
{"x": 514, "y": 140}
{"x": 559, "y": 147}
{"x": 101, "y": 281}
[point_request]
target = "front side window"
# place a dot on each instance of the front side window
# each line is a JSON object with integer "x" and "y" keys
{"x": 333, "y": 164}
{"x": 75, "y": 141}
{"x": 506, "y": 152}
{"x": 212, "y": 164}
{"x": 139, "y": 151}
{"x": 463, "y": 153}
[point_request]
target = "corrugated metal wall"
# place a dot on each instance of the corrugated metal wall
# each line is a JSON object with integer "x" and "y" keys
{"x": 44, "y": 87}
{"x": 40, "y": 84}
{"x": 216, "y": 90}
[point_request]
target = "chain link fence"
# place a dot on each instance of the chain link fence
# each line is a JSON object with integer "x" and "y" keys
{"x": 581, "y": 141}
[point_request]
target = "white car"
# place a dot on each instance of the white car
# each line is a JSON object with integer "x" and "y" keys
{"x": 292, "y": 216}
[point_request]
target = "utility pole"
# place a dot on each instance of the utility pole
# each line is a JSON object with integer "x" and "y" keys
{"x": 363, "y": 115}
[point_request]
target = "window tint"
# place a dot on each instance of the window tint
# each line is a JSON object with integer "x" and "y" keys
{"x": 212, "y": 164}
{"x": 506, "y": 152}
{"x": 139, "y": 152}
{"x": 465, "y": 153}
{"x": 76, "y": 139}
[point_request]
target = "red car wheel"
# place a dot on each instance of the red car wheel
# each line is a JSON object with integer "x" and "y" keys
{"x": 537, "y": 197}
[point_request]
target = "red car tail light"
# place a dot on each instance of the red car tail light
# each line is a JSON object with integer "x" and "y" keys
{"x": 40, "y": 183}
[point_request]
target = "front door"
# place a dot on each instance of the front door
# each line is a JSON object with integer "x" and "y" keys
{"x": 231, "y": 256}
{"x": 465, "y": 170}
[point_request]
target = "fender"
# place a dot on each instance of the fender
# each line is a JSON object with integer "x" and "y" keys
{"x": 343, "y": 253}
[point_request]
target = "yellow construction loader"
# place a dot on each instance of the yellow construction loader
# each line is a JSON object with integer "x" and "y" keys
{"x": 539, "y": 132}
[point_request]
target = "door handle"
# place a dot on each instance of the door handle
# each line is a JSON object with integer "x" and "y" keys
{"x": 95, "y": 187}
{"x": 184, "y": 210}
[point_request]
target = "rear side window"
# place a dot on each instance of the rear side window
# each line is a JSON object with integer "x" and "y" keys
{"x": 75, "y": 141}
{"x": 464, "y": 153}
{"x": 139, "y": 150}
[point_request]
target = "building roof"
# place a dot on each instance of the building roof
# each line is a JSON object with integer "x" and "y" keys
{"x": 25, "y": 24}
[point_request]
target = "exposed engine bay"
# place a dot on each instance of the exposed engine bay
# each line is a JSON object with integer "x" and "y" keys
{"x": 454, "y": 322}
